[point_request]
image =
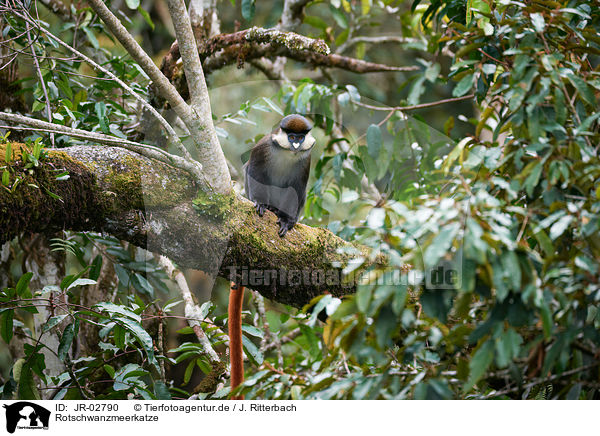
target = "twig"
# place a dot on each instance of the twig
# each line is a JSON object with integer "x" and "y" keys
{"x": 414, "y": 107}
{"x": 268, "y": 337}
{"x": 542, "y": 380}
{"x": 42, "y": 82}
{"x": 287, "y": 338}
{"x": 191, "y": 309}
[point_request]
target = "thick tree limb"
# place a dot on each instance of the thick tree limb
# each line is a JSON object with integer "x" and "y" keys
{"x": 150, "y": 204}
{"x": 253, "y": 43}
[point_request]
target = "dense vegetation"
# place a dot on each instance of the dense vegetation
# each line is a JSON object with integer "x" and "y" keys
{"x": 486, "y": 207}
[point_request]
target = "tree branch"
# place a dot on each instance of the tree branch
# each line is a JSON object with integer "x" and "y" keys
{"x": 149, "y": 151}
{"x": 192, "y": 311}
{"x": 292, "y": 15}
{"x": 414, "y": 107}
{"x": 254, "y": 43}
{"x": 210, "y": 154}
{"x": 171, "y": 134}
{"x": 151, "y": 205}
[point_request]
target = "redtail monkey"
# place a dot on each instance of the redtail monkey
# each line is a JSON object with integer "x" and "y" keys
{"x": 276, "y": 178}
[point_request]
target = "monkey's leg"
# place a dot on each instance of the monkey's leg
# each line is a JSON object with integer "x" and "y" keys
{"x": 236, "y": 358}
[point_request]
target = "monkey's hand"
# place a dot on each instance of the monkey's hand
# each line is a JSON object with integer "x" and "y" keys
{"x": 260, "y": 208}
{"x": 285, "y": 224}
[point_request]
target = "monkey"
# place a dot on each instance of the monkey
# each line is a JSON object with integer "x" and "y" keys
{"x": 277, "y": 171}
{"x": 276, "y": 177}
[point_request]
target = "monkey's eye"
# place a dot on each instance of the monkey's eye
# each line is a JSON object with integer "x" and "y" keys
{"x": 295, "y": 138}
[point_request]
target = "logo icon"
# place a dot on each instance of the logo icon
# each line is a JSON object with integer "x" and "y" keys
{"x": 26, "y": 415}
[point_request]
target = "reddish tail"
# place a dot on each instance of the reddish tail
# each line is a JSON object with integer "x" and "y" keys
{"x": 236, "y": 297}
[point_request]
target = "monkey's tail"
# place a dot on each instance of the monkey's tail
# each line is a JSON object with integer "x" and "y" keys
{"x": 236, "y": 358}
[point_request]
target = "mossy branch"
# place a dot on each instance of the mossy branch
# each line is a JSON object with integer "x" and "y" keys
{"x": 161, "y": 208}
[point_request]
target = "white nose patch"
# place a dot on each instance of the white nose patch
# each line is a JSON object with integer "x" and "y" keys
{"x": 296, "y": 144}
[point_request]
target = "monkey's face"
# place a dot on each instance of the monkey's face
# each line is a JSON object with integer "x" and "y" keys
{"x": 293, "y": 141}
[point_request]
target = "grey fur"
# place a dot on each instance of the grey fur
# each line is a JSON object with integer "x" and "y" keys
{"x": 277, "y": 175}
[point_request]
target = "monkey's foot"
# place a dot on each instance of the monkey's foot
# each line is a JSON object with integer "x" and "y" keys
{"x": 284, "y": 226}
{"x": 260, "y": 208}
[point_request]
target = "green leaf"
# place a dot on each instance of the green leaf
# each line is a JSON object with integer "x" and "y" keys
{"x": 109, "y": 370}
{"x": 339, "y": 17}
{"x": 416, "y": 90}
{"x": 481, "y": 360}
{"x": 52, "y": 322}
{"x": 584, "y": 90}
{"x": 315, "y": 21}
{"x": 139, "y": 333}
{"x": 96, "y": 267}
{"x": 81, "y": 282}
{"x": 440, "y": 244}
{"x": 560, "y": 108}
{"x": 146, "y": 16}
{"x": 507, "y": 347}
{"x": 363, "y": 297}
{"x": 463, "y": 86}
{"x": 142, "y": 285}
{"x": 91, "y": 37}
{"x": 66, "y": 339}
{"x": 533, "y": 178}
{"x": 38, "y": 106}
{"x": 313, "y": 342}
{"x": 547, "y": 322}
{"x": 161, "y": 391}
{"x": 119, "y": 336}
{"x": 252, "y": 351}
{"x": 27, "y": 389}
{"x": 385, "y": 325}
{"x": 203, "y": 365}
{"x": 23, "y": 284}
{"x": 117, "y": 309}
{"x": 6, "y": 325}
{"x": 251, "y": 330}
{"x": 370, "y": 164}
{"x": 100, "y": 108}
{"x": 189, "y": 370}
{"x": 248, "y": 9}
{"x": 432, "y": 72}
{"x": 374, "y": 140}
{"x": 8, "y": 154}
{"x": 538, "y": 22}
{"x": 559, "y": 227}
{"x": 321, "y": 304}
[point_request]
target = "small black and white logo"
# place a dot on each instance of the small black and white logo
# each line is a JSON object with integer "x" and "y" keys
{"x": 26, "y": 415}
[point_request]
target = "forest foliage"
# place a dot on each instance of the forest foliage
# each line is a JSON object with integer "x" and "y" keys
{"x": 492, "y": 200}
